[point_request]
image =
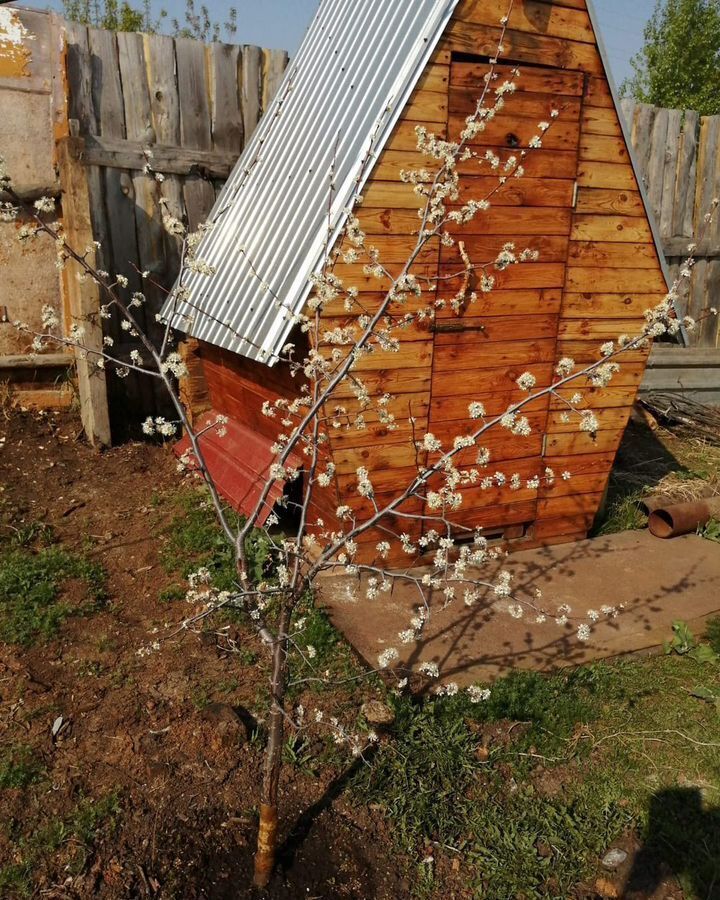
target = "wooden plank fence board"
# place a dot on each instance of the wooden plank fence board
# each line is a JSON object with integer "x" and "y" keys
{"x": 183, "y": 110}
{"x": 678, "y": 153}
{"x": 83, "y": 297}
{"x": 683, "y": 217}
{"x": 251, "y": 81}
{"x": 138, "y": 125}
{"x": 195, "y": 123}
{"x": 656, "y": 161}
{"x": 165, "y": 107}
{"x": 274, "y": 65}
{"x": 228, "y": 130}
{"x": 669, "y": 173}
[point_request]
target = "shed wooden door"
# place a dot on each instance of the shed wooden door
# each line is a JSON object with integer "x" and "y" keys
{"x": 478, "y": 356}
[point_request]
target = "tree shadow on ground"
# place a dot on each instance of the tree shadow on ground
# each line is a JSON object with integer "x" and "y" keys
{"x": 300, "y": 831}
{"x": 682, "y": 839}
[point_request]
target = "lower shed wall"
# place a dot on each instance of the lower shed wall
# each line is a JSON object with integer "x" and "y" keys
{"x": 565, "y": 511}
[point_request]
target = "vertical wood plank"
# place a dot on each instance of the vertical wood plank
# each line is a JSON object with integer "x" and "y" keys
{"x": 194, "y": 95}
{"x": 129, "y": 396}
{"x": 641, "y": 137}
{"x": 106, "y": 87}
{"x": 139, "y": 127}
{"x": 274, "y": 65}
{"x": 684, "y": 214}
{"x": 670, "y": 165}
{"x": 708, "y": 331}
{"x": 228, "y": 132}
{"x": 148, "y": 221}
{"x": 83, "y": 296}
{"x": 165, "y": 107}
{"x": 627, "y": 108}
{"x": 656, "y": 162}
{"x": 699, "y": 297}
{"x": 251, "y": 80}
{"x": 195, "y": 124}
{"x": 84, "y": 70}
{"x": 79, "y": 77}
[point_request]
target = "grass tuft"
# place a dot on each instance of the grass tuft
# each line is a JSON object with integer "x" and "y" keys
{"x": 529, "y": 788}
{"x": 73, "y": 838}
{"x": 33, "y": 602}
{"x": 19, "y": 767}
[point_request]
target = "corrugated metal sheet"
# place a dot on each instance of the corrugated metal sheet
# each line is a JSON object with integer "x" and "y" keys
{"x": 352, "y": 77}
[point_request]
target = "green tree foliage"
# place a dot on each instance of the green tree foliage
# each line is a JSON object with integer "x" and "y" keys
{"x": 679, "y": 64}
{"x": 200, "y": 26}
{"x": 113, "y": 15}
{"x": 119, "y": 15}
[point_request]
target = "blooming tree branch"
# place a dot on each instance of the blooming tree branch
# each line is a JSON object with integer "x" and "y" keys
{"x": 333, "y": 397}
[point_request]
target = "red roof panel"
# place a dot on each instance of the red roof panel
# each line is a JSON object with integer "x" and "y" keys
{"x": 239, "y": 463}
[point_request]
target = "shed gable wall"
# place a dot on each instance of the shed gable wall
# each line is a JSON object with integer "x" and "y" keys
{"x": 540, "y": 312}
{"x": 579, "y": 206}
{"x": 614, "y": 273}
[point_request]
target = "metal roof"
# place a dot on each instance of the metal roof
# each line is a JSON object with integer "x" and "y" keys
{"x": 355, "y": 70}
{"x": 351, "y": 79}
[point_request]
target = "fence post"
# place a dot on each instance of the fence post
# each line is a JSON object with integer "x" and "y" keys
{"x": 83, "y": 296}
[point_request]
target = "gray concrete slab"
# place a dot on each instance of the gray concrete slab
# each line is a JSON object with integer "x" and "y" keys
{"x": 657, "y": 582}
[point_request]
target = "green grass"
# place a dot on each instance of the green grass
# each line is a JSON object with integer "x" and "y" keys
{"x": 33, "y": 603}
{"x": 622, "y": 513}
{"x": 532, "y": 786}
{"x": 195, "y": 538}
{"x": 73, "y": 837}
{"x": 19, "y": 767}
{"x": 711, "y": 531}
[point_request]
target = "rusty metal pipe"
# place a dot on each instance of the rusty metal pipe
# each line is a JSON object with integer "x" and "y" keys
{"x": 660, "y": 501}
{"x": 683, "y": 518}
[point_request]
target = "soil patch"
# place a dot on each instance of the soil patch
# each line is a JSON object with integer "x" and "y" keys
{"x": 148, "y": 785}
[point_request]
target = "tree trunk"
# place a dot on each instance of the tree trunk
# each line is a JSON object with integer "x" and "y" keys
{"x": 267, "y": 834}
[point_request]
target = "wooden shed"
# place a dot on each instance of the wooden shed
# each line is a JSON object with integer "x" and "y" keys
{"x": 367, "y": 74}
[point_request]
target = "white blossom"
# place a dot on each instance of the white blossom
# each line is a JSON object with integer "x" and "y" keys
{"x": 430, "y": 669}
{"x": 388, "y": 657}
{"x": 527, "y": 381}
{"x": 478, "y": 694}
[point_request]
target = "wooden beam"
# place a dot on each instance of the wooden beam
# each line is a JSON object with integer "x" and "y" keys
{"x": 684, "y": 357}
{"x": 115, "y": 153}
{"x": 678, "y": 246}
{"x": 36, "y": 361}
{"x": 83, "y": 296}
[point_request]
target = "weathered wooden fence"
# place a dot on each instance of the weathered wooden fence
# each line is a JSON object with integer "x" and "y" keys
{"x": 144, "y": 105}
{"x": 120, "y": 128}
{"x": 679, "y": 156}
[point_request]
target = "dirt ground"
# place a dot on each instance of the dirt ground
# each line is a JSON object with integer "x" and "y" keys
{"x": 149, "y": 764}
{"x": 139, "y": 729}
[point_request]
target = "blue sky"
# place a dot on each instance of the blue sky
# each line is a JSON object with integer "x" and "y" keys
{"x": 282, "y": 23}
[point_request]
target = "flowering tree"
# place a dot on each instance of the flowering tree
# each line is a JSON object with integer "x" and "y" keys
{"x": 453, "y": 555}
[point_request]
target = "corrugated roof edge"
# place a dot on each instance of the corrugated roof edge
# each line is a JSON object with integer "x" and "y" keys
{"x": 392, "y": 108}
{"x": 388, "y": 114}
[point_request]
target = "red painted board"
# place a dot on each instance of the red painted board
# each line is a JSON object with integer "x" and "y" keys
{"x": 239, "y": 462}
